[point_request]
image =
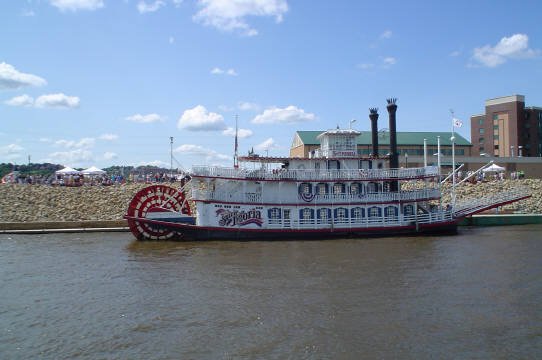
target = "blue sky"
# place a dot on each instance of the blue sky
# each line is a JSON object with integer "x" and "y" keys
{"x": 108, "y": 82}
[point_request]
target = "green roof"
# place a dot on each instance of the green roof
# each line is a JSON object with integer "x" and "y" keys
{"x": 403, "y": 138}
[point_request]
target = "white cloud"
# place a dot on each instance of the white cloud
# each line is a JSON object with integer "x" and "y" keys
{"x": 108, "y": 155}
{"x": 219, "y": 71}
{"x": 171, "y": 40}
{"x": 267, "y": 145}
{"x": 75, "y": 5}
{"x": 143, "y": 7}
{"x": 513, "y": 47}
{"x": 11, "y": 78}
{"x": 57, "y": 101}
{"x": 388, "y": 61}
{"x": 22, "y": 100}
{"x": 385, "y": 63}
{"x": 455, "y": 53}
{"x": 365, "y": 66}
{"x": 177, "y": 3}
{"x": 51, "y": 100}
{"x": 149, "y": 118}
{"x": 386, "y": 34}
{"x": 72, "y": 157}
{"x": 199, "y": 119}
{"x": 11, "y": 151}
{"x": 241, "y": 133}
{"x": 287, "y": 115}
{"x": 230, "y": 15}
{"x": 109, "y": 137}
{"x": 71, "y": 144}
{"x": 198, "y": 150}
{"x": 248, "y": 106}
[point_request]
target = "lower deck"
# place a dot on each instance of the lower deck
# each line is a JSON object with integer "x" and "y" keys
{"x": 319, "y": 216}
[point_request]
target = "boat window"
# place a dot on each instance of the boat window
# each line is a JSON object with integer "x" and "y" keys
{"x": 321, "y": 189}
{"x": 339, "y": 188}
{"x": 357, "y": 188}
{"x": 374, "y": 211}
{"x": 333, "y": 165}
{"x": 358, "y": 213}
{"x": 324, "y": 214}
{"x": 408, "y": 210}
{"x": 305, "y": 188}
{"x": 273, "y": 213}
{"x": 390, "y": 211}
{"x": 373, "y": 187}
{"x": 306, "y": 214}
{"x": 354, "y": 188}
{"x": 286, "y": 213}
{"x": 341, "y": 213}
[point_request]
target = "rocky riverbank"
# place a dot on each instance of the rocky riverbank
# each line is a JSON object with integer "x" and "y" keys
{"x": 532, "y": 205}
{"x": 30, "y": 203}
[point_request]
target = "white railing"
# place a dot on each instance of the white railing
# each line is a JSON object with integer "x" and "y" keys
{"x": 271, "y": 197}
{"x": 378, "y": 221}
{"x": 472, "y": 206}
{"x": 314, "y": 175}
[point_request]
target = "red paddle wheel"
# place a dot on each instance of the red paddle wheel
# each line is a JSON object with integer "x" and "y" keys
{"x": 152, "y": 199}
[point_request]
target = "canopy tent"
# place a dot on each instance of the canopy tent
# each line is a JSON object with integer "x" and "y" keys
{"x": 67, "y": 171}
{"x": 93, "y": 170}
{"x": 494, "y": 168}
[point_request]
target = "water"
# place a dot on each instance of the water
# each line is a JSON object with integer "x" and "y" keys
{"x": 477, "y": 295}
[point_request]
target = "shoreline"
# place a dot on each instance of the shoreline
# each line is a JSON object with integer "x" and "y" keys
{"x": 51, "y": 227}
{"x": 47, "y": 208}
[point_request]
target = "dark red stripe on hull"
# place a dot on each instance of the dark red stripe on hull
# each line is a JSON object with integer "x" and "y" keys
{"x": 186, "y": 232}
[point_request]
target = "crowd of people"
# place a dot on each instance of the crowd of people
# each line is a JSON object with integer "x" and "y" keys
{"x": 92, "y": 180}
{"x": 488, "y": 176}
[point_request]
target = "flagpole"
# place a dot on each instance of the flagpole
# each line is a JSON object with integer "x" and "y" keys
{"x": 453, "y": 159}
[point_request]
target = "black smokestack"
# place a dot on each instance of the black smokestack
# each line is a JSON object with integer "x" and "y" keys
{"x": 394, "y": 156}
{"x": 373, "y": 115}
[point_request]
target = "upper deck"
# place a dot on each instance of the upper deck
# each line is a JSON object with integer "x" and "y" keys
{"x": 313, "y": 174}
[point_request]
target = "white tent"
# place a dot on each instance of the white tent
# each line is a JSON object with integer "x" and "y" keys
{"x": 494, "y": 168}
{"x": 67, "y": 171}
{"x": 93, "y": 170}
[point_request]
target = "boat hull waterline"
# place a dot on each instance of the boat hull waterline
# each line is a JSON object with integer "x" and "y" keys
{"x": 166, "y": 230}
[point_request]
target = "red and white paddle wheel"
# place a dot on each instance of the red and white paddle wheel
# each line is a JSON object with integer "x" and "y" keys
{"x": 156, "y": 202}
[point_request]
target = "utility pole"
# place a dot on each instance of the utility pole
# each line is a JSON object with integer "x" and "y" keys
{"x": 171, "y": 157}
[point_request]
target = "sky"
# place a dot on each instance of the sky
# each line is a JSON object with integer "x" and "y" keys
{"x": 109, "y": 82}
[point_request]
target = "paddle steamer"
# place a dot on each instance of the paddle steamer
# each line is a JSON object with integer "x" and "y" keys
{"x": 332, "y": 193}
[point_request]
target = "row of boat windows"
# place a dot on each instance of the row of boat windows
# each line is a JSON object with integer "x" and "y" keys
{"x": 342, "y": 188}
{"x": 341, "y": 212}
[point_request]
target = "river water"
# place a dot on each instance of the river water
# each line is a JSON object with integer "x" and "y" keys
{"x": 477, "y": 295}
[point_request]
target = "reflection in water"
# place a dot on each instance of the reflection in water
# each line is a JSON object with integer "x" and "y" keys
{"x": 475, "y": 295}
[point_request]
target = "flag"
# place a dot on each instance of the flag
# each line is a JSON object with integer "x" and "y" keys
{"x": 457, "y": 123}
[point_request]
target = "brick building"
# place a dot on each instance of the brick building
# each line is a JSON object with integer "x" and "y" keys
{"x": 507, "y": 129}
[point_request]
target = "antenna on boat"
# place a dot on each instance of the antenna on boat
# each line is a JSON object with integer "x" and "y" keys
{"x": 235, "y": 155}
